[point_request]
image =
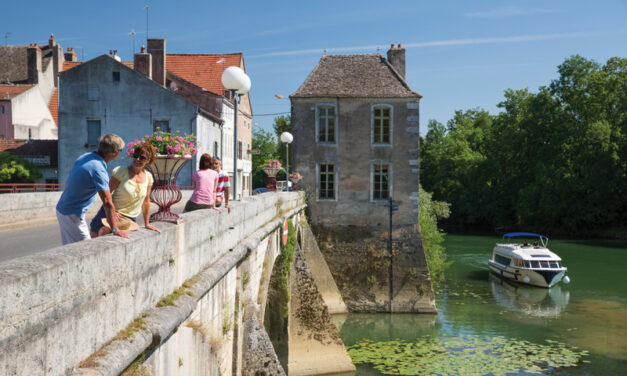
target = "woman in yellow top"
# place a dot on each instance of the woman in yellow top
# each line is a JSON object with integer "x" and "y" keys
{"x": 131, "y": 192}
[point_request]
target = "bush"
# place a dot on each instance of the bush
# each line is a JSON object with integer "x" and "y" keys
{"x": 14, "y": 169}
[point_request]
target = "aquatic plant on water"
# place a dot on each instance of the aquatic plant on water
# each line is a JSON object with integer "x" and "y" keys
{"x": 464, "y": 356}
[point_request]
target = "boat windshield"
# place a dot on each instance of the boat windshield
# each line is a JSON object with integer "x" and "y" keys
{"x": 543, "y": 239}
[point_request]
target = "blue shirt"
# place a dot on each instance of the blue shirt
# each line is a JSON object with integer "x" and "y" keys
{"x": 88, "y": 176}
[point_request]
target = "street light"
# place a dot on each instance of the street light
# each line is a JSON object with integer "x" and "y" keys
{"x": 287, "y": 138}
{"x": 238, "y": 83}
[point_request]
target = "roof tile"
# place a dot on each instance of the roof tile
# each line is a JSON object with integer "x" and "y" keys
{"x": 53, "y": 106}
{"x": 12, "y": 91}
{"x": 204, "y": 70}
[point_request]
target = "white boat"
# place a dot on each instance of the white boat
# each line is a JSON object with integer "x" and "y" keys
{"x": 531, "y": 264}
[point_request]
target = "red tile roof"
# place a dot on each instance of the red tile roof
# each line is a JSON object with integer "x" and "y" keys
{"x": 130, "y": 64}
{"x": 11, "y": 91}
{"x": 70, "y": 64}
{"x": 203, "y": 70}
{"x": 10, "y": 144}
{"x": 53, "y": 106}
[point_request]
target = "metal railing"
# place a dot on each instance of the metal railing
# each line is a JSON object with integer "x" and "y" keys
{"x": 40, "y": 187}
{"x": 30, "y": 187}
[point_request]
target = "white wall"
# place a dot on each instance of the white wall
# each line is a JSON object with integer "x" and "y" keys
{"x": 30, "y": 111}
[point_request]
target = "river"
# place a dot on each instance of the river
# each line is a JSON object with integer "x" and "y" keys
{"x": 477, "y": 312}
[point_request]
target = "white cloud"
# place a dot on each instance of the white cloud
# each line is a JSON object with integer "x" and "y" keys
{"x": 441, "y": 43}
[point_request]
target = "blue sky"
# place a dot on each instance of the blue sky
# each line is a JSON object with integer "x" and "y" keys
{"x": 460, "y": 54}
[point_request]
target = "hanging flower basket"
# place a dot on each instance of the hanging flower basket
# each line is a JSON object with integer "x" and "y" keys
{"x": 271, "y": 171}
{"x": 173, "y": 152}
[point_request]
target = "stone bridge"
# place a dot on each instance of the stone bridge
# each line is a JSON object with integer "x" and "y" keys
{"x": 189, "y": 301}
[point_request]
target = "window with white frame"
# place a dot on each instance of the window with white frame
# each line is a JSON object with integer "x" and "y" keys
{"x": 382, "y": 124}
{"x": 326, "y": 181}
{"x": 326, "y": 123}
{"x": 381, "y": 181}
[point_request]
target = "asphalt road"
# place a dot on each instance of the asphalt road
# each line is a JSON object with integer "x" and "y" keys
{"x": 30, "y": 240}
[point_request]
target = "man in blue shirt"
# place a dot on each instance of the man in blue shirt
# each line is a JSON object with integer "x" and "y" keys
{"x": 88, "y": 177}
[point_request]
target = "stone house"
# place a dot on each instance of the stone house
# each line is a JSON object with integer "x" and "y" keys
{"x": 356, "y": 140}
{"x": 356, "y": 143}
{"x": 28, "y": 89}
{"x": 175, "y": 92}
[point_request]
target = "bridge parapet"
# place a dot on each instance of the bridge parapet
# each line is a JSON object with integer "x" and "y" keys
{"x": 63, "y": 305}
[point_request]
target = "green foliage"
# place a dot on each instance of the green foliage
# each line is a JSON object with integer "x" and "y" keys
{"x": 464, "y": 356}
{"x": 554, "y": 160}
{"x": 14, "y": 169}
{"x": 283, "y": 265}
{"x": 266, "y": 143}
{"x": 432, "y": 238}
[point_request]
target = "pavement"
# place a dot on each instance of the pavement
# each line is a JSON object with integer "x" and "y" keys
{"x": 27, "y": 241}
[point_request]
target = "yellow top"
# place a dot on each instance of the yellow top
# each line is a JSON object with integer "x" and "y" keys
{"x": 129, "y": 196}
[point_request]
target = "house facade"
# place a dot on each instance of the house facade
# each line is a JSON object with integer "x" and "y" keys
{"x": 356, "y": 139}
{"x": 33, "y": 111}
{"x": 104, "y": 96}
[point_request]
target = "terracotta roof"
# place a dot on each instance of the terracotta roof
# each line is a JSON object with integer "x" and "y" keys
{"x": 53, "y": 106}
{"x": 70, "y": 64}
{"x": 33, "y": 150}
{"x": 13, "y": 64}
{"x": 203, "y": 70}
{"x": 130, "y": 64}
{"x": 13, "y": 91}
{"x": 357, "y": 76}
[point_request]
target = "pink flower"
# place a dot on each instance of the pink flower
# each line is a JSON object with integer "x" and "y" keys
{"x": 180, "y": 139}
{"x": 159, "y": 138}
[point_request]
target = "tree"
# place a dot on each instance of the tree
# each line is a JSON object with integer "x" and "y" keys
{"x": 282, "y": 124}
{"x": 14, "y": 169}
{"x": 266, "y": 143}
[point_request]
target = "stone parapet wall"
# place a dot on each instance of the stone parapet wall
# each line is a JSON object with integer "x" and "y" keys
{"x": 62, "y": 305}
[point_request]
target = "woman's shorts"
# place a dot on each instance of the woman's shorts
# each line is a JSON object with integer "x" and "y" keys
{"x": 96, "y": 224}
{"x": 191, "y": 206}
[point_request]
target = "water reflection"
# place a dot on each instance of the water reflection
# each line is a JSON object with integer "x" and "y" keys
{"x": 381, "y": 327}
{"x": 532, "y": 301}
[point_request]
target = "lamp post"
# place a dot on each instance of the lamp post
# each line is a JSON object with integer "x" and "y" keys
{"x": 287, "y": 138}
{"x": 238, "y": 83}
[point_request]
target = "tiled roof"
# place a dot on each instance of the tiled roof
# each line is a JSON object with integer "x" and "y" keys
{"x": 357, "y": 76}
{"x": 53, "y": 106}
{"x": 13, "y": 64}
{"x": 70, "y": 64}
{"x": 12, "y": 91}
{"x": 32, "y": 149}
{"x": 204, "y": 70}
{"x": 130, "y": 64}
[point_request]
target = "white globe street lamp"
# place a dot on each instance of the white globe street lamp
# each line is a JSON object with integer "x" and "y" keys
{"x": 287, "y": 138}
{"x": 238, "y": 83}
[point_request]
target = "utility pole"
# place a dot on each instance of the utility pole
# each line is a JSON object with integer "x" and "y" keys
{"x": 393, "y": 205}
{"x": 146, "y": 9}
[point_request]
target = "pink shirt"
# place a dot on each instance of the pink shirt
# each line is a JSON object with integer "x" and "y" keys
{"x": 205, "y": 181}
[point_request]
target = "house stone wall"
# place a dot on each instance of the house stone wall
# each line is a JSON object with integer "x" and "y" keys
{"x": 353, "y": 154}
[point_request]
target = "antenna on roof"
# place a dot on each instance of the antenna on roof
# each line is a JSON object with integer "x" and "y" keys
{"x": 132, "y": 34}
{"x": 6, "y": 38}
{"x": 378, "y": 49}
{"x": 146, "y": 9}
{"x": 325, "y": 51}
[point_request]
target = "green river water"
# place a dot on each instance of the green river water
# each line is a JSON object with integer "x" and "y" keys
{"x": 476, "y": 311}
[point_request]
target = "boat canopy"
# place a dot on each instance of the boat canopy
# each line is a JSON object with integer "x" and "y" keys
{"x": 543, "y": 238}
{"x": 517, "y": 234}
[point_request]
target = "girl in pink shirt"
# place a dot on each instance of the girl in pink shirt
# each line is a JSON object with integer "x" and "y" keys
{"x": 205, "y": 183}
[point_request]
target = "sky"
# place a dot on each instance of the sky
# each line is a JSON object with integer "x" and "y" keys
{"x": 459, "y": 54}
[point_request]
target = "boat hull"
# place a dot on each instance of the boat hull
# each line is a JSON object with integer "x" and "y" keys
{"x": 536, "y": 277}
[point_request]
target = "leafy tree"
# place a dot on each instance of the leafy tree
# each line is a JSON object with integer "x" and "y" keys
{"x": 14, "y": 169}
{"x": 551, "y": 160}
{"x": 432, "y": 238}
{"x": 282, "y": 124}
{"x": 266, "y": 143}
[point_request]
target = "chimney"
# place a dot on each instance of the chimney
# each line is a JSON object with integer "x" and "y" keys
{"x": 142, "y": 62}
{"x": 33, "y": 54}
{"x": 156, "y": 48}
{"x": 57, "y": 57}
{"x": 70, "y": 55}
{"x": 396, "y": 57}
